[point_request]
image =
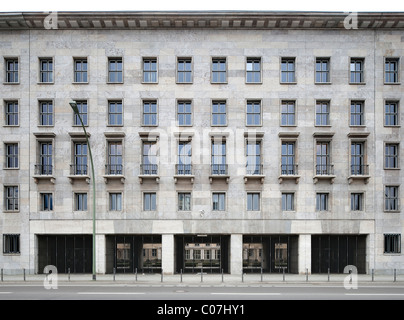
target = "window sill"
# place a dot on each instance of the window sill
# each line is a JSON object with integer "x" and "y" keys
{"x": 45, "y": 83}
{"x": 80, "y": 82}
{"x": 11, "y": 83}
{"x": 321, "y": 83}
{"x": 288, "y": 83}
{"x": 11, "y": 211}
{"x": 392, "y": 83}
{"x": 391, "y": 211}
{"x": 357, "y": 83}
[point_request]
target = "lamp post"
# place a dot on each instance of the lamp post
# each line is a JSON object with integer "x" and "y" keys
{"x": 73, "y": 104}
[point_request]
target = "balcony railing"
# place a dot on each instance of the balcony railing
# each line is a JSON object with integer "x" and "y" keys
{"x": 78, "y": 169}
{"x": 359, "y": 169}
{"x": 148, "y": 169}
{"x": 289, "y": 169}
{"x": 183, "y": 169}
{"x": 324, "y": 169}
{"x": 43, "y": 169}
{"x": 218, "y": 169}
{"x": 254, "y": 169}
{"x": 113, "y": 169}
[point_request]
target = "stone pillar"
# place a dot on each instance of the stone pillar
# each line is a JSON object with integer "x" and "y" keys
{"x": 100, "y": 262}
{"x": 236, "y": 253}
{"x": 167, "y": 253}
{"x": 304, "y": 253}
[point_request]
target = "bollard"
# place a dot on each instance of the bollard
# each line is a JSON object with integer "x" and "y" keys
{"x": 373, "y": 275}
{"x": 68, "y": 274}
{"x": 1, "y": 274}
{"x": 181, "y": 275}
{"x": 261, "y": 274}
{"x": 307, "y": 275}
{"x": 136, "y": 274}
{"x": 201, "y": 275}
{"x": 222, "y": 276}
{"x": 394, "y": 272}
{"x": 328, "y": 274}
{"x": 24, "y": 273}
{"x": 114, "y": 273}
{"x": 242, "y": 275}
{"x": 161, "y": 275}
{"x": 283, "y": 274}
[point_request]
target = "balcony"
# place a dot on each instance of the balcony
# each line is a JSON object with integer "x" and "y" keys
{"x": 78, "y": 172}
{"x": 324, "y": 172}
{"x": 43, "y": 172}
{"x": 359, "y": 172}
{"x": 114, "y": 172}
{"x": 289, "y": 172}
{"x": 254, "y": 172}
{"x": 149, "y": 171}
{"x": 219, "y": 171}
{"x": 184, "y": 172}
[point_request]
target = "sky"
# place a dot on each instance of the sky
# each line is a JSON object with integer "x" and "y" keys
{"x": 190, "y": 5}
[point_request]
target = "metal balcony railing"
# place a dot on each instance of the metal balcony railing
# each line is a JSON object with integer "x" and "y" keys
{"x": 289, "y": 169}
{"x": 254, "y": 169}
{"x": 183, "y": 169}
{"x": 359, "y": 169}
{"x": 113, "y": 169}
{"x": 218, "y": 169}
{"x": 43, "y": 169}
{"x": 78, "y": 169}
{"x": 148, "y": 169}
{"x": 324, "y": 169}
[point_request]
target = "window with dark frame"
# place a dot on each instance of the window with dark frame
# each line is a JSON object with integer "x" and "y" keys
{"x": 45, "y": 166}
{"x": 219, "y": 114}
{"x": 391, "y": 198}
{"x": 46, "y": 70}
{"x": 83, "y": 112}
{"x": 253, "y": 155}
{"x": 149, "y": 158}
{"x": 115, "y": 201}
{"x": 253, "y": 201}
{"x": 149, "y": 201}
{"x": 46, "y": 202}
{"x": 219, "y": 74}
{"x": 253, "y": 113}
{"x": 356, "y": 70}
{"x": 288, "y": 201}
{"x": 115, "y": 70}
{"x": 323, "y": 162}
{"x": 11, "y": 243}
{"x": 391, "y": 155}
{"x": 391, "y": 115}
{"x": 322, "y": 202}
{"x": 115, "y": 113}
{"x": 288, "y": 70}
{"x": 80, "y": 158}
{"x": 11, "y": 113}
{"x": 80, "y": 71}
{"x": 80, "y": 202}
{"x": 322, "y": 113}
{"x": 288, "y": 113}
{"x": 288, "y": 158}
{"x": 11, "y": 155}
{"x": 46, "y": 113}
{"x": 184, "y": 158}
{"x": 184, "y": 201}
{"x": 11, "y": 70}
{"x": 391, "y": 70}
{"x": 253, "y": 70}
{"x": 150, "y": 113}
{"x": 392, "y": 243}
{"x": 357, "y": 201}
{"x": 322, "y": 70}
{"x": 218, "y": 201}
{"x": 357, "y": 113}
{"x": 218, "y": 163}
{"x": 357, "y": 158}
{"x": 11, "y": 198}
{"x": 150, "y": 70}
{"x": 114, "y": 165}
{"x": 184, "y": 113}
{"x": 184, "y": 70}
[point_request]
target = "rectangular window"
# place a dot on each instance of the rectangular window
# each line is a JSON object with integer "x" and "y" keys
{"x": 184, "y": 158}
{"x": 11, "y": 155}
{"x": 288, "y": 113}
{"x": 219, "y": 113}
{"x": 391, "y": 155}
{"x": 11, "y": 70}
{"x": 358, "y": 158}
{"x": 11, "y": 113}
{"x": 150, "y": 70}
{"x": 356, "y": 201}
{"x": 391, "y": 70}
{"x": 253, "y": 70}
{"x": 46, "y": 70}
{"x": 357, "y": 113}
{"x": 46, "y": 113}
{"x": 219, "y": 157}
{"x": 184, "y": 201}
{"x": 114, "y": 165}
{"x": 322, "y": 70}
{"x": 149, "y": 158}
{"x": 288, "y": 70}
{"x": 45, "y": 165}
{"x": 184, "y": 70}
{"x": 80, "y": 70}
{"x": 115, "y": 201}
{"x": 392, "y": 243}
{"x": 323, "y": 163}
{"x": 150, "y": 113}
{"x": 288, "y": 201}
{"x": 253, "y": 154}
{"x": 11, "y": 243}
{"x": 322, "y": 202}
{"x": 115, "y": 70}
{"x": 356, "y": 70}
{"x": 115, "y": 113}
{"x": 80, "y": 158}
{"x": 218, "y": 200}
{"x": 253, "y": 201}
{"x": 219, "y": 70}
{"x": 253, "y": 113}
{"x": 391, "y": 198}
{"x": 80, "y": 202}
{"x": 288, "y": 166}
{"x": 391, "y": 115}
{"x": 46, "y": 202}
{"x": 83, "y": 111}
{"x": 184, "y": 113}
{"x": 322, "y": 113}
{"x": 11, "y": 198}
{"x": 149, "y": 201}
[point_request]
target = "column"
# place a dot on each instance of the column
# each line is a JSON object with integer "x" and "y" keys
{"x": 304, "y": 253}
{"x": 167, "y": 253}
{"x": 236, "y": 253}
{"x": 100, "y": 262}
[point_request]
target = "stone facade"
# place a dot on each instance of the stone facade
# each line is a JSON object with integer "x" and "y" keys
{"x": 28, "y": 43}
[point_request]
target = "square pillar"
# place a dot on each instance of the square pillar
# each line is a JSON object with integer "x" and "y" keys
{"x": 100, "y": 249}
{"x": 304, "y": 261}
{"x": 236, "y": 253}
{"x": 167, "y": 253}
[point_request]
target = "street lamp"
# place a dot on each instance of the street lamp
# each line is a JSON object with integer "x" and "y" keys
{"x": 73, "y": 104}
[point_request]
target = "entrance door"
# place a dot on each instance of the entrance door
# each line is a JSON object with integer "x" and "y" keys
{"x": 281, "y": 255}
{"x": 123, "y": 257}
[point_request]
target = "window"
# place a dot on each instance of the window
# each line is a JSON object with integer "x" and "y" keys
{"x": 253, "y": 70}
{"x": 115, "y": 113}
{"x": 219, "y": 157}
{"x": 391, "y": 198}
{"x": 184, "y": 158}
{"x": 253, "y": 201}
{"x": 253, "y": 154}
{"x": 356, "y": 70}
{"x": 253, "y": 113}
{"x": 392, "y": 243}
{"x": 356, "y": 201}
{"x": 149, "y": 201}
{"x": 150, "y": 70}
{"x": 323, "y": 163}
{"x": 218, "y": 199}
{"x": 288, "y": 113}
{"x": 288, "y": 201}
{"x": 46, "y": 113}
{"x": 391, "y": 115}
{"x": 358, "y": 158}
{"x": 115, "y": 201}
{"x": 288, "y": 166}
{"x": 322, "y": 113}
{"x": 149, "y": 158}
{"x": 115, "y": 69}
{"x": 391, "y": 70}
{"x": 219, "y": 70}
{"x": 150, "y": 113}
{"x": 46, "y": 70}
{"x": 11, "y": 155}
{"x": 322, "y": 202}
{"x": 288, "y": 70}
{"x": 83, "y": 111}
{"x": 11, "y": 113}
{"x": 80, "y": 158}
{"x": 46, "y": 202}
{"x": 80, "y": 70}
{"x": 80, "y": 202}
{"x": 219, "y": 113}
{"x": 11, "y": 243}
{"x": 322, "y": 70}
{"x": 11, "y": 70}
{"x": 45, "y": 158}
{"x": 184, "y": 201}
{"x": 11, "y": 202}
{"x": 114, "y": 165}
{"x": 184, "y": 70}
{"x": 357, "y": 113}
{"x": 184, "y": 113}
{"x": 391, "y": 155}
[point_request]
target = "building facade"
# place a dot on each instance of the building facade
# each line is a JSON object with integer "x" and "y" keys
{"x": 222, "y": 141}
